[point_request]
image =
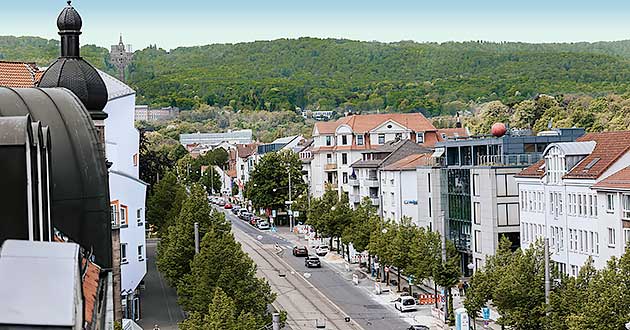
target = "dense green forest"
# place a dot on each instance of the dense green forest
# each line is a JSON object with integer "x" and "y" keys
{"x": 312, "y": 73}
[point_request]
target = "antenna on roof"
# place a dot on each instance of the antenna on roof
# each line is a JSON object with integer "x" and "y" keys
{"x": 459, "y": 123}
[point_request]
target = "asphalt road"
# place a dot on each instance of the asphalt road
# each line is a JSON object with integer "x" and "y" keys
{"x": 364, "y": 312}
{"x": 159, "y": 300}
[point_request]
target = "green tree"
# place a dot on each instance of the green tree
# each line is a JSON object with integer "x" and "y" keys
{"x": 221, "y": 263}
{"x": 220, "y": 315}
{"x": 447, "y": 274}
{"x": 268, "y": 185}
{"x": 165, "y": 202}
{"x": 211, "y": 180}
{"x": 177, "y": 249}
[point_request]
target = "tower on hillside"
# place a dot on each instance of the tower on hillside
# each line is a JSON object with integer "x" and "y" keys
{"x": 121, "y": 56}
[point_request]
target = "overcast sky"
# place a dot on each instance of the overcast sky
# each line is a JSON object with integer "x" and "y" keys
{"x": 170, "y": 24}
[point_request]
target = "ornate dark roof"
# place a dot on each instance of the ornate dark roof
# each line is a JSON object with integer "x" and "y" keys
{"x": 73, "y": 72}
{"x": 69, "y": 19}
{"x": 79, "y": 181}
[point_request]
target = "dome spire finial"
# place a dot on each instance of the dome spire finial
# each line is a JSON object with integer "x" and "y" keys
{"x": 69, "y": 2}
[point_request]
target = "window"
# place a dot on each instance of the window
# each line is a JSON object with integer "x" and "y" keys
{"x": 139, "y": 216}
{"x": 329, "y": 158}
{"x": 359, "y": 140}
{"x": 135, "y": 160}
{"x": 477, "y": 213}
{"x": 114, "y": 214}
{"x": 328, "y": 140}
{"x": 140, "y": 253}
{"x": 626, "y": 207}
{"x": 478, "y": 241}
{"x": 626, "y": 236}
{"x": 429, "y": 181}
{"x": 610, "y": 202}
{"x": 398, "y": 136}
{"x": 123, "y": 253}
{"x": 344, "y": 158}
{"x": 345, "y": 177}
{"x": 611, "y": 237}
{"x": 574, "y": 270}
{"x": 430, "y": 207}
{"x": 596, "y": 243}
{"x": 475, "y": 184}
{"x": 507, "y": 214}
{"x": 381, "y": 139}
{"x": 420, "y": 137}
{"x": 123, "y": 216}
{"x": 344, "y": 140}
{"x": 393, "y": 199}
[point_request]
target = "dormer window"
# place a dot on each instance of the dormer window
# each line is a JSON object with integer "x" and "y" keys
{"x": 381, "y": 139}
{"x": 344, "y": 140}
{"x": 328, "y": 140}
{"x": 420, "y": 137}
{"x": 359, "y": 140}
{"x": 555, "y": 165}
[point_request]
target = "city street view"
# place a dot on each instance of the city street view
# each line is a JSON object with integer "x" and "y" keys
{"x": 373, "y": 165}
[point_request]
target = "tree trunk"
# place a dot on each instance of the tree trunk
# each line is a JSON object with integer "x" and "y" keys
{"x": 337, "y": 244}
{"x": 369, "y": 263}
{"x": 436, "y": 293}
{"x": 331, "y": 245}
{"x": 348, "y": 253}
{"x": 451, "y": 312}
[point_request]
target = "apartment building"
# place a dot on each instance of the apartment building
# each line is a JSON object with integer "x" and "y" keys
{"x": 468, "y": 192}
{"x": 577, "y": 197}
{"x": 339, "y": 144}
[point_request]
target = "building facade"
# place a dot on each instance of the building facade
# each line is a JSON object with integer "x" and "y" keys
{"x": 143, "y": 112}
{"x": 576, "y": 198}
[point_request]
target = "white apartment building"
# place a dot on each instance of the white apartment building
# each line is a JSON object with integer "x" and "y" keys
{"x": 127, "y": 191}
{"x": 338, "y": 144}
{"x": 577, "y": 198}
{"x": 246, "y": 159}
{"x": 400, "y": 189}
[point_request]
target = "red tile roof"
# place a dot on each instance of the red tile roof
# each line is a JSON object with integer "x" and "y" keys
{"x": 460, "y": 132}
{"x": 620, "y": 180}
{"x": 410, "y": 162}
{"x": 246, "y": 150}
{"x": 610, "y": 146}
{"x": 535, "y": 170}
{"x": 365, "y": 123}
{"x": 19, "y": 74}
{"x": 90, "y": 288}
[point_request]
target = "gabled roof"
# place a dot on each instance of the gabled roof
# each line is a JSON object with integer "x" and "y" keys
{"x": 285, "y": 140}
{"x": 401, "y": 150}
{"x": 460, "y": 132}
{"x": 115, "y": 88}
{"x": 19, "y": 74}
{"x": 609, "y": 147}
{"x": 246, "y": 150}
{"x": 573, "y": 148}
{"x": 618, "y": 181}
{"x": 365, "y": 123}
{"x": 536, "y": 170}
{"x": 410, "y": 162}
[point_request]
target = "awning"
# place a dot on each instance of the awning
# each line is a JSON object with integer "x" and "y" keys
{"x": 438, "y": 153}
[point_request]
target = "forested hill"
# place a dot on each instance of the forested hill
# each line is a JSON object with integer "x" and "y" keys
{"x": 331, "y": 73}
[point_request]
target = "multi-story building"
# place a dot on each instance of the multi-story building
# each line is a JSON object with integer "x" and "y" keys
{"x": 212, "y": 139}
{"x": 576, "y": 197}
{"x": 246, "y": 158}
{"x": 127, "y": 192}
{"x": 468, "y": 191}
{"x": 367, "y": 178}
{"x": 143, "y": 112}
{"x": 338, "y": 144}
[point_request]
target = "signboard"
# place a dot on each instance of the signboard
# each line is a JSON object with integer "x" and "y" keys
{"x": 486, "y": 313}
{"x": 296, "y": 214}
{"x": 462, "y": 321}
{"x": 355, "y": 279}
{"x": 410, "y": 279}
{"x": 411, "y": 201}
{"x": 273, "y": 213}
{"x": 288, "y": 202}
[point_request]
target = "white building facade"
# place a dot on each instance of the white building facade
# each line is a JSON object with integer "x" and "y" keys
{"x": 127, "y": 191}
{"x": 568, "y": 199}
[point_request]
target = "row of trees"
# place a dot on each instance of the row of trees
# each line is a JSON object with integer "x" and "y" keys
{"x": 412, "y": 250}
{"x": 217, "y": 287}
{"x": 513, "y": 282}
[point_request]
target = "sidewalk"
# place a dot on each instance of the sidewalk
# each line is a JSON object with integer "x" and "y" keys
{"x": 423, "y": 288}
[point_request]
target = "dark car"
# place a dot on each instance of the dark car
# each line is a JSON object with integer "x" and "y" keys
{"x": 235, "y": 209}
{"x": 312, "y": 261}
{"x": 300, "y": 251}
{"x": 418, "y": 327}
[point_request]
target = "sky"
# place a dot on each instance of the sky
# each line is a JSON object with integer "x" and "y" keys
{"x": 175, "y": 23}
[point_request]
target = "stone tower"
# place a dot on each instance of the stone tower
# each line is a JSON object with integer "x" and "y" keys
{"x": 120, "y": 57}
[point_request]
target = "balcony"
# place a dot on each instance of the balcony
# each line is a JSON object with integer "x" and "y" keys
{"x": 353, "y": 182}
{"x": 375, "y": 201}
{"x": 355, "y": 199}
{"x": 330, "y": 167}
{"x": 370, "y": 183}
{"x": 509, "y": 160}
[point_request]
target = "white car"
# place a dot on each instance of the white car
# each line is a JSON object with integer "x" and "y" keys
{"x": 321, "y": 250}
{"x": 263, "y": 225}
{"x": 405, "y": 304}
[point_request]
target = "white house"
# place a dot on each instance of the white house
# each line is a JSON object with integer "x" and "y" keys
{"x": 572, "y": 198}
{"x": 127, "y": 191}
{"x": 337, "y": 145}
{"x": 400, "y": 188}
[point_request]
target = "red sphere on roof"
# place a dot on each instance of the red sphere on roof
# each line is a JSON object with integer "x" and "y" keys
{"x": 498, "y": 129}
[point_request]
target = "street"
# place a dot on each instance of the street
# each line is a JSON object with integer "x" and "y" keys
{"x": 328, "y": 295}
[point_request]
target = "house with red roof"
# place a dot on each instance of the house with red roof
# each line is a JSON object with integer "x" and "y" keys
{"x": 578, "y": 197}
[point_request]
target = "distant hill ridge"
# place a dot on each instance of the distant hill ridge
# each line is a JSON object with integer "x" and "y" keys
{"x": 353, "y": 75}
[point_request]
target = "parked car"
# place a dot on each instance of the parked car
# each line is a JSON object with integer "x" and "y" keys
{"x": 244, "y": 215}
{"x": 221, "y": 202}
{"x": 405, "y": 303}
{"x": 235, "y": 209}
{"x": 263, "y": 225}
{"x": 227, "y": 206}
{"x": 418, "y": 327}
{"x": 321, "y": 250}
{"x": 253, "y": 220}
{"x": 300, "y": 251}
{"x": 312, "y": 261}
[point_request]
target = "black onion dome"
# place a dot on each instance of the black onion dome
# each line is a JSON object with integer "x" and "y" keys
{"x": 81, "y": 78}
{"x": 69, "y": 19}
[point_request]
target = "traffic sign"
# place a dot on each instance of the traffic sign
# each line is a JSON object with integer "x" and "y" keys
{"x": 486, "y": 313}
{"x": 288, "y": 202}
